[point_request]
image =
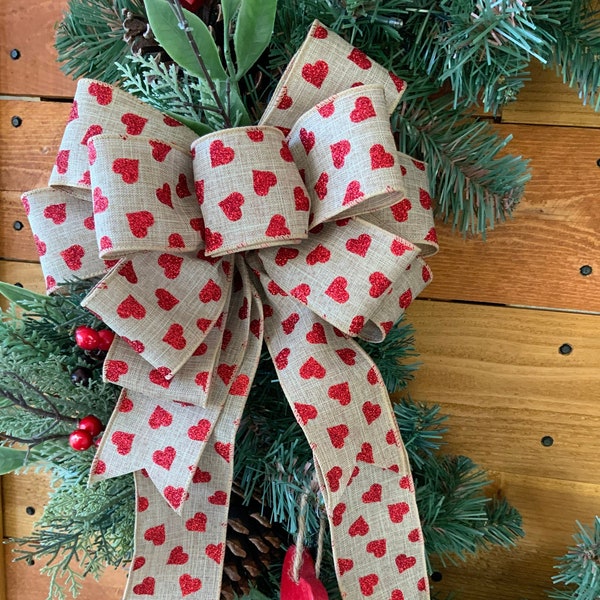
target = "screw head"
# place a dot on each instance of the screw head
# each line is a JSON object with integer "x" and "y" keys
{"x": 547, "y": 441}
{"x": 436, "y": 576}
{"x": 30, "y": 510}
{"x": 15, "y": 54}
{"x": 585, "y": 270}
{"x": 565, "y": 349}
{"x": 16, "y": 121}
{"x": 18, "y": 225}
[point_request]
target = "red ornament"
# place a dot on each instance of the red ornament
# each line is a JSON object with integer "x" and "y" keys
{"x": 86, "y": 338}
{"x": 80, "y": 439}
{"x": 91, "y": 424}
{"x": 193, "y": 5}
{"x": 106, "y": 337}
{"x": 308, "y": 586}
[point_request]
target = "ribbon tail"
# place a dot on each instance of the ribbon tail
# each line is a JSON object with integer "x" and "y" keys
{"x": 340, "y": 400}
{"x": 189, "y": 548}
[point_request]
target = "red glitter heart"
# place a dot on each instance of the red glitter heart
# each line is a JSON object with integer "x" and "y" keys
{"x": 338, "y": 514}
{"x": 301, "y": 292}
{"x": 220, "y": 154}
{"x": 159, "y": 150}
{"x": 145, "y": 588}
{"x": 130, "y": 307}
{"x": 359, "y": 527}
{"x": 215, "y": 552}
{"x": 371, "y": 411}
{"x": 353, "y": 192}
{"x": 301, "y": 200}
{"x": 178, "y": 556}
{"x": 308, "y": 139}
{"x": 366, "y": 453}
{"x": 92, "y": 130}
{"x": 337, "y": 290}
{"x": 102, "y": 93}
{"x": 134, "y": 123}
{"x": 166, "y": 300}
{"x": 281, "y": 360}
{"x": 379, "y": 284}
{"x": 174, "y": 496}
{"x": 123, "y": 441}
{"x": 211, "y": 292}
{"x": 305, "y": 412}
{"x": 219, "y": 498}
{"x": 140, "y": 222}
{"x": 316, "y": 73}
{"x": 263, "y": 181}
{"x": 339, "y": 151}
{"x": 189, "y": 584}
{"x": 380, "y": 159}
{"x": 338, "y": 435}
{"x": 405, "y": 299}
{"x": 341, "y": 393}
{"x": 160, "y": 418}
{"x": 333, "y": 478}
{"x": 397, "y": 511}
{"x": 277, "y": 227}
{"x": 321, "y": 185}
{"x": 223, "y": 450}
{"x": 373, "y": 494}
{"x": 240, "y": 385}
{"x": 400, "y": 210}
{"x": 164, "y": 458}
{"x": 404, "y": 562}
{"x": 197, "y": 523}
{"x": 171, "y": 265}
{"x": 317, "y": 334}
{"x": 163, "y": 195}
{"x": 174, "y": 337}
{"x": 71, "y": 255}
{"x": 182, "y": 189}
{"x": 368, "y": 583}
{"x": 345, "y": 565}
{"x": 57, "y": 213}
{"x": 363, "y": 110}
{"x": 231, "y": 206}
{"x": 425, "y": 199}
{"x": 127, "y": 168}
{"x": 359, "y": 245}
{"x": 200, "y": 431}
{"x": 320, "y": 254}
{"x": 312, "y": 368}
{"x": 358, "y": 57}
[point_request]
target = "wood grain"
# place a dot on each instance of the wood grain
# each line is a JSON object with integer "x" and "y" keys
{"x": 546, "y": 100}
{"x": 549, "y": 508}
{"x": 16, "y": 239}
{"x": 29, "y": 275}
{"x": 535, "y": 258}
{"x": 29, "y": 27}
{"x": 497, "y": 372}
{"x": 28, "y": 152}
{"x": 24, "y": 582}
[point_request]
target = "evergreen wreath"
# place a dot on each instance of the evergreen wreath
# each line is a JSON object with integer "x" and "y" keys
{"x": 455, "y": 56}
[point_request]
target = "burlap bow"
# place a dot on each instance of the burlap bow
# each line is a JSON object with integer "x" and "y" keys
{"x": 306, "y": 230}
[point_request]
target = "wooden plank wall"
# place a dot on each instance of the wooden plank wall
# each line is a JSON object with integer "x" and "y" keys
{"x": 489, "y": 328}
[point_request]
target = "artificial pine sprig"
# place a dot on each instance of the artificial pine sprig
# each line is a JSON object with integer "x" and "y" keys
{"x": 579, "y": 568}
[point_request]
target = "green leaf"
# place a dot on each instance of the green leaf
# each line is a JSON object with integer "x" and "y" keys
{"x": 17, "y": 294}
{"x": 12, "y": 459}
{"x": 174, "y": 40}
{"x": 195, "y": 126}
{"x": 253, "y": 32}
{"x": 229, "y": 7}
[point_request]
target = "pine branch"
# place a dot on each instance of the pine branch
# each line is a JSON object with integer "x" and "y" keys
{"x": 89, "y": 39}
{"x": 579, "y": 568}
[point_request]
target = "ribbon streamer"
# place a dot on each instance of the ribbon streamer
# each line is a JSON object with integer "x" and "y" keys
{"x": 305, "y": 231}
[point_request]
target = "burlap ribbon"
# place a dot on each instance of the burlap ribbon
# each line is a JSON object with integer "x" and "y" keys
{"x": 307, "y": 230}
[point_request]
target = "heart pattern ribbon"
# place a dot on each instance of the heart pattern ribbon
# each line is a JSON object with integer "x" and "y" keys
{"x": 304, "y": 231}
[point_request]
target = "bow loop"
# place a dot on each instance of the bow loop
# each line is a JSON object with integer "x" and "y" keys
{"x": 143, "y": 200}
{"x": 346, "y": 151}
{"x": 248, "y": 189}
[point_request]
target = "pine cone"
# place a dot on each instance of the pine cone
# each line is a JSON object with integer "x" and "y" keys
{"x": 253, "y": 544}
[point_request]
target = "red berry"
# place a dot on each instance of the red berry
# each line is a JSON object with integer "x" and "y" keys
{"x": 80, "y": 439}
{"x": 86, "y": 338}
{"x": 91, "y": 424}
{"x": 106, "y": 337}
